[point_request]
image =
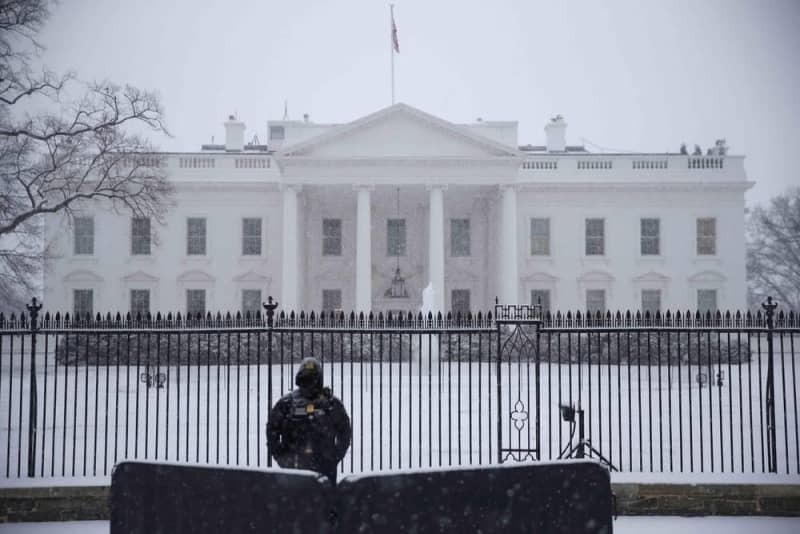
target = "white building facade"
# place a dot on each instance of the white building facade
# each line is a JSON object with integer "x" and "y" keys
{"x": 336, "y": 216}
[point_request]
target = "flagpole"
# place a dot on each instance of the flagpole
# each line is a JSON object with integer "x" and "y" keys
{"x": 391, "y": 44}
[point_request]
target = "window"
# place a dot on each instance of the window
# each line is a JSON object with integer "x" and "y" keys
{"x": 541, "y": 297}
{"x": 706, "y": 237}
{"x": 195, "y": 302}
{"x": 82, "y": 303}
{"x": 140, "y": 302}
{"x": 396, "y": 237}
{"x": 331, "y": 300}
{"x": 459, "y": 238}
{"x": 277, "y": 133}
{"x": 251, "y": 301}
{"x": 540, "y": 237}
{"x": 196, "y": 236}
{"x": 650, "y": 237}
{"x": 596, "y": 300}
{"x": 140, "y": 236}
{"x": 651, "y": 301}
{"x": 84, "y": 235}
{"x": 331, "y": 237}
{"x": 707, "y": 300}
{"x": 595, "y": 237}
{"x": 251, "y": 236}
{"x": 459, "y": 301}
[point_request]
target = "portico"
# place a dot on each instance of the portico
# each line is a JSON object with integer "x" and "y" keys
{"x": 399, "y": 151}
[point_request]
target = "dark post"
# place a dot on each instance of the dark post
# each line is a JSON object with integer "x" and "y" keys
{"x": 772, "y": 451}
{"x": 269, "y": 308}
{"x": 33, "y": 312}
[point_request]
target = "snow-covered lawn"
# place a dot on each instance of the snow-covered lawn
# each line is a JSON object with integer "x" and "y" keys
{"x": 643, "y": 418}
{"x": 623, "y": 525}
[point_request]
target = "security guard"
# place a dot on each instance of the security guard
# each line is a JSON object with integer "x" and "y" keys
{"x": 309, "y": 428}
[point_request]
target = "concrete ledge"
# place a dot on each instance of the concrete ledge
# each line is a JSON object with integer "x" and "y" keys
{"x": 90, "y": 503}
{"x": 708, "y": 499}
{"x": 71, "y": 503}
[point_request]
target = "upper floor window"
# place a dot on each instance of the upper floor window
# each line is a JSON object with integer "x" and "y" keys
{"x": 706, "y": 236}
{"x": 251, "y": 236}
{"x": 331, "y": 237}
{"x": 196, "y": 236}
{"x": 650, "y": 237}
{"x": 460, "y": 244}
{"x": 651, "y": 301}
{"x": 82, "y": 303}
{"x": 396, "y": 237}
{"x": 596, "y": 301}
{"x": 277, "y": 133}
{"x": 140, "y": 236}
{"x": 195, "y": 302}
{"x": 84, "y": 235}
{"x": 707, "y": 300}
{"x": 540, "y": 237}
{"x": 459, "y": 301}
{"x": 331, "y": 300}
{"x": 140, "y": 302}
{"x": 251, "y": 301}
{"x": 595, "y": 237}
{"x": 541, "y": 297}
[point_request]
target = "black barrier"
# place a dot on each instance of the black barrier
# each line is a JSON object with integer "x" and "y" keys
{"x": 565, "y": 497}
{"x": 561, "y": 497}
{"x": 150, "y": 498}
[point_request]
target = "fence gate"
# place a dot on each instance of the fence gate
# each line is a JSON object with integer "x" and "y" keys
{"x": 518, "y": 392}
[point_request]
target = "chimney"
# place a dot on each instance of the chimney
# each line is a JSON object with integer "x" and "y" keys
{"x": 234, "y": 134}
{"x": 556, "y": 132}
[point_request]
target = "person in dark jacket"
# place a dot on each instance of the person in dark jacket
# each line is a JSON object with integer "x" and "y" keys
{"x": 309, "y": 428}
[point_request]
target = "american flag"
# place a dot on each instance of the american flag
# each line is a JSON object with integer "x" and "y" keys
{"x": 395, "y": 43}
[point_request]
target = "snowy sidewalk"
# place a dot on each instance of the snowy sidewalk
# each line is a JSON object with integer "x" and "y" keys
{"x": 623, "y": 525}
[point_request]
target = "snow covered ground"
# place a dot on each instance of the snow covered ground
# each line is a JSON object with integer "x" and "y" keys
{"x": 418, "y": 414}
{"x": 623, "y": 525}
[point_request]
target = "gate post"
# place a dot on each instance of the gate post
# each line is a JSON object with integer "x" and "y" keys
{"x": 498, "y": 384}
{"x": 269, "y": 308}
{"x": 33, "y": 312}
{"x": 772, "y": 451}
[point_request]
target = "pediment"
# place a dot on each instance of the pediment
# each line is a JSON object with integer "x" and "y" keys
{"x": 252, "y": 276}
{"x": 140, "y": 276}
{"x": 82, "y": 275}
{"x": 652, "y": 277}
{"x": 195, "y": 276}
{"x": 707, "y": 276}
{"x": 399, "y": 131}
{"x": 596, "y": 276}
{"x": 540, "y": 276}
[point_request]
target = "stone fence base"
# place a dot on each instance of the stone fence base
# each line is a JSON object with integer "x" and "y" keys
{"x": 90, "y": 503}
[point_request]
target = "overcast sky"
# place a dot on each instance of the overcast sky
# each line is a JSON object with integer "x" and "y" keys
{"x": 626, "y": 74}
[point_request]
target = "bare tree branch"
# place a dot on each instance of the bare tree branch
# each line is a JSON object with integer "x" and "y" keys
{"x": 66, "y": 155}
{"x": 773, "y": 251}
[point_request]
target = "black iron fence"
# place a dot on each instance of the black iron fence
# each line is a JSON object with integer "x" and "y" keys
{"x": 677, "y": 392}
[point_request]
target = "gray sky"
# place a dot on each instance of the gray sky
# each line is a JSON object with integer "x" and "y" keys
{"x": 626, "y": 74}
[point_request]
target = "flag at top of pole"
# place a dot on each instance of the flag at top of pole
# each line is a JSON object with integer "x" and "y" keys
{"x": 395, "y": 43}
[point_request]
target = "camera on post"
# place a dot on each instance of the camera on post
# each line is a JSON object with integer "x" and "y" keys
{"x": 567, "y": 413}
{"x": 584, "y": 446}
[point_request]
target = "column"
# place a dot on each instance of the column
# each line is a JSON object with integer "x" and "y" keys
{"x": 363, "y": 250}
{"x": 290, "y": 262}
{"x": 509, "y": 282}
{"x": 436, "y": 246}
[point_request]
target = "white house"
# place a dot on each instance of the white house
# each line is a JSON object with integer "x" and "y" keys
{"x": 364, "y": 215}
